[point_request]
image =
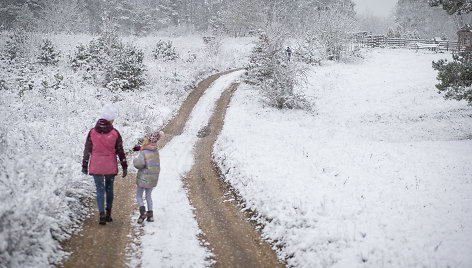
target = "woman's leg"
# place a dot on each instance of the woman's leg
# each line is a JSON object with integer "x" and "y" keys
{"x": 99, "y": 185}
{"x": 109, "y": 181}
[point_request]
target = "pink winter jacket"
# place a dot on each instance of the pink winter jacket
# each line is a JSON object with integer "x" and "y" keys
{"x": 102, "y": 145}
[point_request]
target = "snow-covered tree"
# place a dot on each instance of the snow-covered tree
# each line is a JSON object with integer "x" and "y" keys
{"x": 461, "y": 9}
{"x": 417, "y": 19}
{"x": 92, "y": 11}
{"x": 271, "y": 71}
{"x": 242, "y": 16}
{"x": 375, "y": 25}
{"x": 164, "y": 51}
{"x": 20, "y": 14}
{"x": 59, "y": 16}
{"x": 332, "y": 27}
{"x": 454, "y": 6}
{"x": 111, "y": 63}
{"x": 48, "y": 54}
{"x": 16, "y": 47}
{"x": 455, "y": 77}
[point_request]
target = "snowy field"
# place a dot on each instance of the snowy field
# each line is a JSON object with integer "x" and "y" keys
{"x": 379, "y": 176}
{"x": 46, "y": 114}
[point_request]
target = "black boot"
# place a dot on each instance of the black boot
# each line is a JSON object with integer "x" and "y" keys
{"x": 102, "y": 218}
{"x": 150, "y": 216}
{"x": 108, "y": 216}
{"x": 142, "y": 216}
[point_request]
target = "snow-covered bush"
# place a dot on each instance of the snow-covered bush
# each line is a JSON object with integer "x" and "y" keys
{"x": 43, "y": 195}
{"x": 455, "y": 77}
{"x": 309, "y": 52}
{"x": 212, "y": 45}
{"x": 16, "y": 47}
{"x": 127, "y": 67}
{"x": 107, "y": 60}
{"x": 48, "y": 54}
{"x": 81, "y": 58}
{"x": 270, "y": 70}
{"x": 165, "y": 51}
{"x": 331, "y": 27}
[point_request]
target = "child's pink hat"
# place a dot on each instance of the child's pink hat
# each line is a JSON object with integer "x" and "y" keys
{"x": 154, "y": 136}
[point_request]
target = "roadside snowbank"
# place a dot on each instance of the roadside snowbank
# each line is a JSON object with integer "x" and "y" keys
{"x": 172, "y": 240}
{"x": 379, "y": 177}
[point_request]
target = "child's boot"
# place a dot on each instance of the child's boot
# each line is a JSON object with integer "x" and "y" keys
{"x": 142, "y": 214}
{"x": 108, "y": 216}
{"x": 102, "y": 218}
{"x": 150, "y": 216}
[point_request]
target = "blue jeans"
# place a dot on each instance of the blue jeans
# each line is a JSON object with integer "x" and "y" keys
{"x": 104, "y": 184}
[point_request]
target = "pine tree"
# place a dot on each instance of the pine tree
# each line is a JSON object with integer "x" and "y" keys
{"x": 48, "y": 54}
{"x": 453, "y": 6}
{"x": 16, "y": 47}
{"x": 455, "y": 77}
{"x": 164, "y": 51}
{"x": 115, "y": 65}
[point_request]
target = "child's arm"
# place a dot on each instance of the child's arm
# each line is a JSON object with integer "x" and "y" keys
{"x": 139, "y": 162}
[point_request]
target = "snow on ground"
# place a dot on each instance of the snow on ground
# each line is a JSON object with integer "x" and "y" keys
{"x": 379, "y": 176}
{"x": 46, "y": 113}
{"x": 172, "y": 240}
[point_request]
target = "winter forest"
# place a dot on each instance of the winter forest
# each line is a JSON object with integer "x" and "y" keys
{"x": 298, "y": 133}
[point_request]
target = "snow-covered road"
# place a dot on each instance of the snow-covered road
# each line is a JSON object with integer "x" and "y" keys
{"x": 172, "y": 240}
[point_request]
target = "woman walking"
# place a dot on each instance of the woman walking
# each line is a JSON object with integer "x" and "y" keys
{"x": 103, "y": 144}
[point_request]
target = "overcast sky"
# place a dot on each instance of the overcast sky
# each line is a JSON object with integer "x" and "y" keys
{"x": 379, "y": 8}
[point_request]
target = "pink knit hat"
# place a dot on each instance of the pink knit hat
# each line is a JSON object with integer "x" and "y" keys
{"x": 154, "y": 136}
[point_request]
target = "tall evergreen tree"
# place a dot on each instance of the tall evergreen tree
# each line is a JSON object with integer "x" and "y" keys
{"x": 242, "y": 16}
{"x": 456, "y": 76}
{"x": 92, "y": 11}
{"x": 417, "y": 19}
{"x": 454, "y": 6}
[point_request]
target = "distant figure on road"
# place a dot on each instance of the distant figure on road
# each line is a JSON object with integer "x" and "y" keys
{"x": 101, "y": 147}
{"x": 149, "y": 166}
{"x": 289, "y": 53}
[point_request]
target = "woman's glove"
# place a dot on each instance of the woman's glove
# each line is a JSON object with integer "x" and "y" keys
{"x": 136, "y": 148}
{"x": 85, "y": 171}
{"x": 124, "y": 173}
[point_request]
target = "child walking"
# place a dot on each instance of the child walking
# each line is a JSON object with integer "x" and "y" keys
{"x": 148, "y": 166}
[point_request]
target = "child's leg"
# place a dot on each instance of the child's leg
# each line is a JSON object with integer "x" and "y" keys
{"x": 139, "y": 196}
{"x": 149, "y": 198}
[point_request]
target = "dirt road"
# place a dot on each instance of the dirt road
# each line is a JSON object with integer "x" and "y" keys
{"x": 233, "y": 239}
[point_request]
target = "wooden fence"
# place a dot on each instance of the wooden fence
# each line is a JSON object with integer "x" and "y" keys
{"x": 383, "y": 41}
